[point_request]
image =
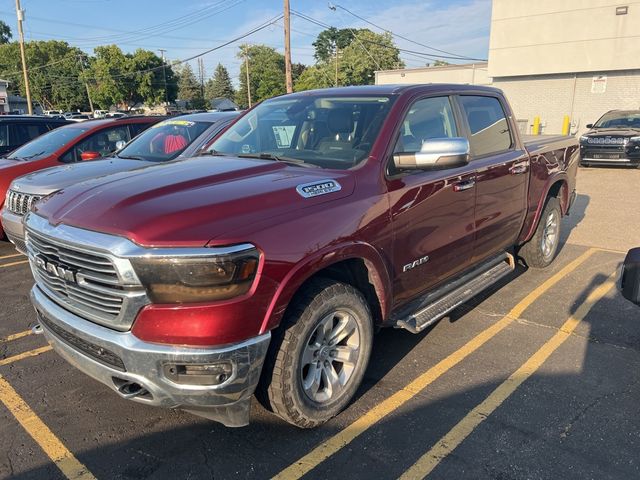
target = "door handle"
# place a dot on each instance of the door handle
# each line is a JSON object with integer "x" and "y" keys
{"x": 464, "y": 185}
{"x": 519, "y": 168}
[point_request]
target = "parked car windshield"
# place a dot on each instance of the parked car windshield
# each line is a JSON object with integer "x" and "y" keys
{"x": 46, "y": 144}
{"x": 164, "y": 141}
{"x": 619, "y": 120}
{"x": 323, "y": 131}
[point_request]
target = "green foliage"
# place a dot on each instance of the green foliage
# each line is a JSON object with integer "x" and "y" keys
{"x": 321, "y": 75}
{"x": 440, "y": 63}
{"x": 266, "y": 73}
{"x": 5, "y": 33}
{"x": 220, "y": 85}
{"x": 329, "y": 39}
{"x": 189, "y": 88}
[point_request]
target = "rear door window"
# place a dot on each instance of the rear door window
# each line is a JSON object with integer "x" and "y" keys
{"x": 488, "y": 125}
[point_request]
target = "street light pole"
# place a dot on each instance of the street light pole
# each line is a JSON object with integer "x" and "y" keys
{"x": 20, "y": 15}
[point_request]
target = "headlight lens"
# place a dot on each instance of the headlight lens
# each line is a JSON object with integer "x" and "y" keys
{"x": 583, "y": 139}
{"x": 634, "y": 140}
{"x": 193, "y": 279}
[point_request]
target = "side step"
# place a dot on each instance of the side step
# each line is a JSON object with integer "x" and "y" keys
{"x": 437, "y": 304}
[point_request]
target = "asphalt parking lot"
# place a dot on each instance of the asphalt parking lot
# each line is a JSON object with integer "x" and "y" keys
{"x": 537, "y": 378}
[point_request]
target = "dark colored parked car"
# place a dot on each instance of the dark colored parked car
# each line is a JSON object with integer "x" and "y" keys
{"x": 69, "y": 144}
{"x": 613, "y": 140}
{"x": 268, "y": 264}
{"x": 16, "y": 130}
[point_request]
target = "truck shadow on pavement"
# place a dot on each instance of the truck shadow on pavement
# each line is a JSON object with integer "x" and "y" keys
{"x": 575, "y": 217}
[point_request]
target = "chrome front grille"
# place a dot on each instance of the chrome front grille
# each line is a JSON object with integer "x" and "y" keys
{"x": 83, "y": 281}
{"x": 20, "y": 203}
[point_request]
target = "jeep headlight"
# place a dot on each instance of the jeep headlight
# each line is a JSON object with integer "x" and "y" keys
{"x": 634, "y": 140}
{"x": 194, "y": 279}
{"x": 584, "y": 139}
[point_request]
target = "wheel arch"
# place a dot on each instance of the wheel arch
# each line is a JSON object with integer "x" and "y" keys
{"x": 556, "y": 187}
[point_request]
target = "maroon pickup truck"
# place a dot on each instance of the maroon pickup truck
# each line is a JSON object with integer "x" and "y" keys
{"x": 265, "y": 265}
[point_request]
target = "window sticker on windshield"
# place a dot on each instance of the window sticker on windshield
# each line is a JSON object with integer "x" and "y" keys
{"x": 283, "y": 134}
{"x": 181, "y": 123}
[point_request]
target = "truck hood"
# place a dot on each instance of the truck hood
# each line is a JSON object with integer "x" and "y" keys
{"x": 52, "y": 179}
{"x": 189, "y": 202}
{"x": 614, "y": 132}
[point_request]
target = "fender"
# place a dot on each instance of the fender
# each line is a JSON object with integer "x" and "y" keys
{"x": 312, "y": 264}
{"x": 531, "y": 223}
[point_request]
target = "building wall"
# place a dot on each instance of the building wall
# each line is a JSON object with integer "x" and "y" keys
{"x": 475, "y": 74}
{"x": 552, "y": 96}
{"x": 551, "y": 36}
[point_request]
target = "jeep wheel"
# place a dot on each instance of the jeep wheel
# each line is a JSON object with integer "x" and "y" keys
{"x": 540, "y": 251}
{"x": 319, "y": 354}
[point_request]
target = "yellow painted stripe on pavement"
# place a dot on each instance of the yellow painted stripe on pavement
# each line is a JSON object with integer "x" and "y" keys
{"x": 331, "y": 446}
{"x": 11, "y": 256}
{"x": 22, "y": 356}
{"x": 44, "y": 437}
{"x": 15, "y": 336}
{"x": 21, "y": 262}
{"x": 467, "y": 425}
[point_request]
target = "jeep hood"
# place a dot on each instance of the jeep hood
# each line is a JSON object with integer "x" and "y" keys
{"x": 191, "y": 201}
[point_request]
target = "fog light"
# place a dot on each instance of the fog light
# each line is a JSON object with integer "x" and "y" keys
{"x": 199, "y": 374}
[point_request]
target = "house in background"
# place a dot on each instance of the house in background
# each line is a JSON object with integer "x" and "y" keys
{"x": 4, "y": 101}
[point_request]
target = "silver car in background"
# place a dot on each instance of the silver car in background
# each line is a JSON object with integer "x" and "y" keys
{"x": 177, "y": 137}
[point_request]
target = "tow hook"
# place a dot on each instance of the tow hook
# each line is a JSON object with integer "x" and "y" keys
{"x": 37, "y": 329}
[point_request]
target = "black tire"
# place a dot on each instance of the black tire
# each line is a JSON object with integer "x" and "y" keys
{"x": 318, "y": 304}
{"x": 535, "y": 253}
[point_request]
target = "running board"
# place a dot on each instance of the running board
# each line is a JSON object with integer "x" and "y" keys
{"x": 437, "y": 304}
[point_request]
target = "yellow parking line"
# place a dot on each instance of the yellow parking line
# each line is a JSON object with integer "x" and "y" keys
{"x": 50, "y": 444}
{"x": 15, "y": 336}
{"x": 22, "y": 356}
{"x": 14, "y": 263}
{"x": 395, "y": 401}
{"x": 463, "y": 429}
{"x": 11, "y": 256}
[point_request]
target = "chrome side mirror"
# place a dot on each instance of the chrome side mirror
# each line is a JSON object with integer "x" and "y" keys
{"x": 629, "y": 282}
{"x": 436, "y": 154}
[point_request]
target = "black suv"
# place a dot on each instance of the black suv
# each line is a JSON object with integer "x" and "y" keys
{"x": 16, "y": 130}
{"x": 613, "y": 140}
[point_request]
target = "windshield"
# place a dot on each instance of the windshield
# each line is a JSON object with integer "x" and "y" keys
{"x": 619, "y": 120}
{"x": 48, "y": 143}
{"x": 164, "y": 141}
{"x": 323, "y": 131}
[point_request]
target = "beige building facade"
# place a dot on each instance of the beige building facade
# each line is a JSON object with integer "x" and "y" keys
{"x": 577, "y": 58}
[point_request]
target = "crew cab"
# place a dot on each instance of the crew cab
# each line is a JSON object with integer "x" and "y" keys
{"x": 173, "y": 138}
{"x": 266, "y": 265}
{"x": 69, "y": 144}
{"x": 613, "y": 140}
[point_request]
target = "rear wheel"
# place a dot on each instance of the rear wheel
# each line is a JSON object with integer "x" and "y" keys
{"x": 319, "y": 355}
{"x": 540, "y": 251}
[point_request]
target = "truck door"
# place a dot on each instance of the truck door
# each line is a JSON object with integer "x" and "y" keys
{"x": 501, "y": 174}
{"x": 432, "y": 212}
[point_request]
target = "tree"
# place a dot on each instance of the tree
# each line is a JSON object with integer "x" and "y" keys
{"x": 189, "y": 88}
{"x": 220, "y": 85}
{"x": 5, "y": 33}
{"x": 318, "y": 76}
{"x": 151, "y": 78}
{"x": 331, "y": 38}
{"x": 440, "y": 63}
{"x": 266, "y": 69}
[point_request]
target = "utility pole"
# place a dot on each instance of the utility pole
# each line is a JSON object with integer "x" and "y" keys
{"x": 86, "y": 85}
{"x": 337, "y": 53}
{"x": 246, "y": 67}
{"x": 287, "y": 46}
{"x": 164, "y": 76}
{"x": 20, "y": 14}
{"x": 201, "y": 75}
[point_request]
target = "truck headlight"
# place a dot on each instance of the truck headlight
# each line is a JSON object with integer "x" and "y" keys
{"x": 194, "y": 279}
{"x": 583, "y": 139}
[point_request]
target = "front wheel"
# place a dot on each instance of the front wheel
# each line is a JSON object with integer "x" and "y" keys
{"x": 540, "y": 251}
{"x": 319, "y": 355}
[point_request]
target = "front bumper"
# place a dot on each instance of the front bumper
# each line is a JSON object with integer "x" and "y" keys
{"x": 135, "y": 369}
{"x": 586, "y": 160}
{"x": 12, "y": 225}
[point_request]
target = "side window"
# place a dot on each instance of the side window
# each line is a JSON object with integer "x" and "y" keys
{"x": 21, "y": 133}
{"x": 4, "y": 135}
{"x": 102, "y": 142}
{"x": 488, "y": 124}
{"x": 136, "y": 128}
{"x": 428, "y": 118}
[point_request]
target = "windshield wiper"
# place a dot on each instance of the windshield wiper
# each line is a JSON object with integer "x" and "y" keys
{"x": 131, "y": 157}
{"x": 28, "y": 157}
{"x": 277, "y": 158}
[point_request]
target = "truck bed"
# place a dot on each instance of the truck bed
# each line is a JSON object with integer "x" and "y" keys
{"x": 538, "y": 143}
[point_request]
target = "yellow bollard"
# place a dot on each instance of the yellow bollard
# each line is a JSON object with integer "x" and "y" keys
{"x": 536, "y": 126}
{"x": 565, "y": 125}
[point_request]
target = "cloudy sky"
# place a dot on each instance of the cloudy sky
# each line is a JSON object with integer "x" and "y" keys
{"x": 189, "y": 27}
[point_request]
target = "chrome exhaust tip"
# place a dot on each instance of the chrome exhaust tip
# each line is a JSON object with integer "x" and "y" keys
{"x": 37, "y": 329}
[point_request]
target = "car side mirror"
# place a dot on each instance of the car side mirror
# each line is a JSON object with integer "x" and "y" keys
{"x": 88, "y": 155}
{"x": 589, "y": 125}
{"x": 120, "y": 145}
{"x": 436, "y": 154}
{"x": 629, "y": 283}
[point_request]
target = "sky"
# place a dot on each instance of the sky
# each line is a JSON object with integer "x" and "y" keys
{"x": 185, "y": 28}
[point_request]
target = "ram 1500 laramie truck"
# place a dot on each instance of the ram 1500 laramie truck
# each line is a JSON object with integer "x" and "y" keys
{"x": 266, "y": 266}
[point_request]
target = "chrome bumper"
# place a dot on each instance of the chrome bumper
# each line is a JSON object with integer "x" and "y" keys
{"x": 12, "y": 225}
{"x": 143, "y": 364}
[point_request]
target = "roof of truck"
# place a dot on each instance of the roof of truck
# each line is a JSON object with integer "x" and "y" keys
{"x": 396, "y": 89}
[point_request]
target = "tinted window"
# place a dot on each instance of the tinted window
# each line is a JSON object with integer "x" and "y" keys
{"x": 21, "y": 133}
{"x": 4, "y": 135}
{"x": 103, "y": 142}
{"x": 488, "y": 125}
{"x": 619, "y": 120}
{"x": 136, "y": 128}
{"x": 428, "y": 118}
{"x": 48, "y": 143}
